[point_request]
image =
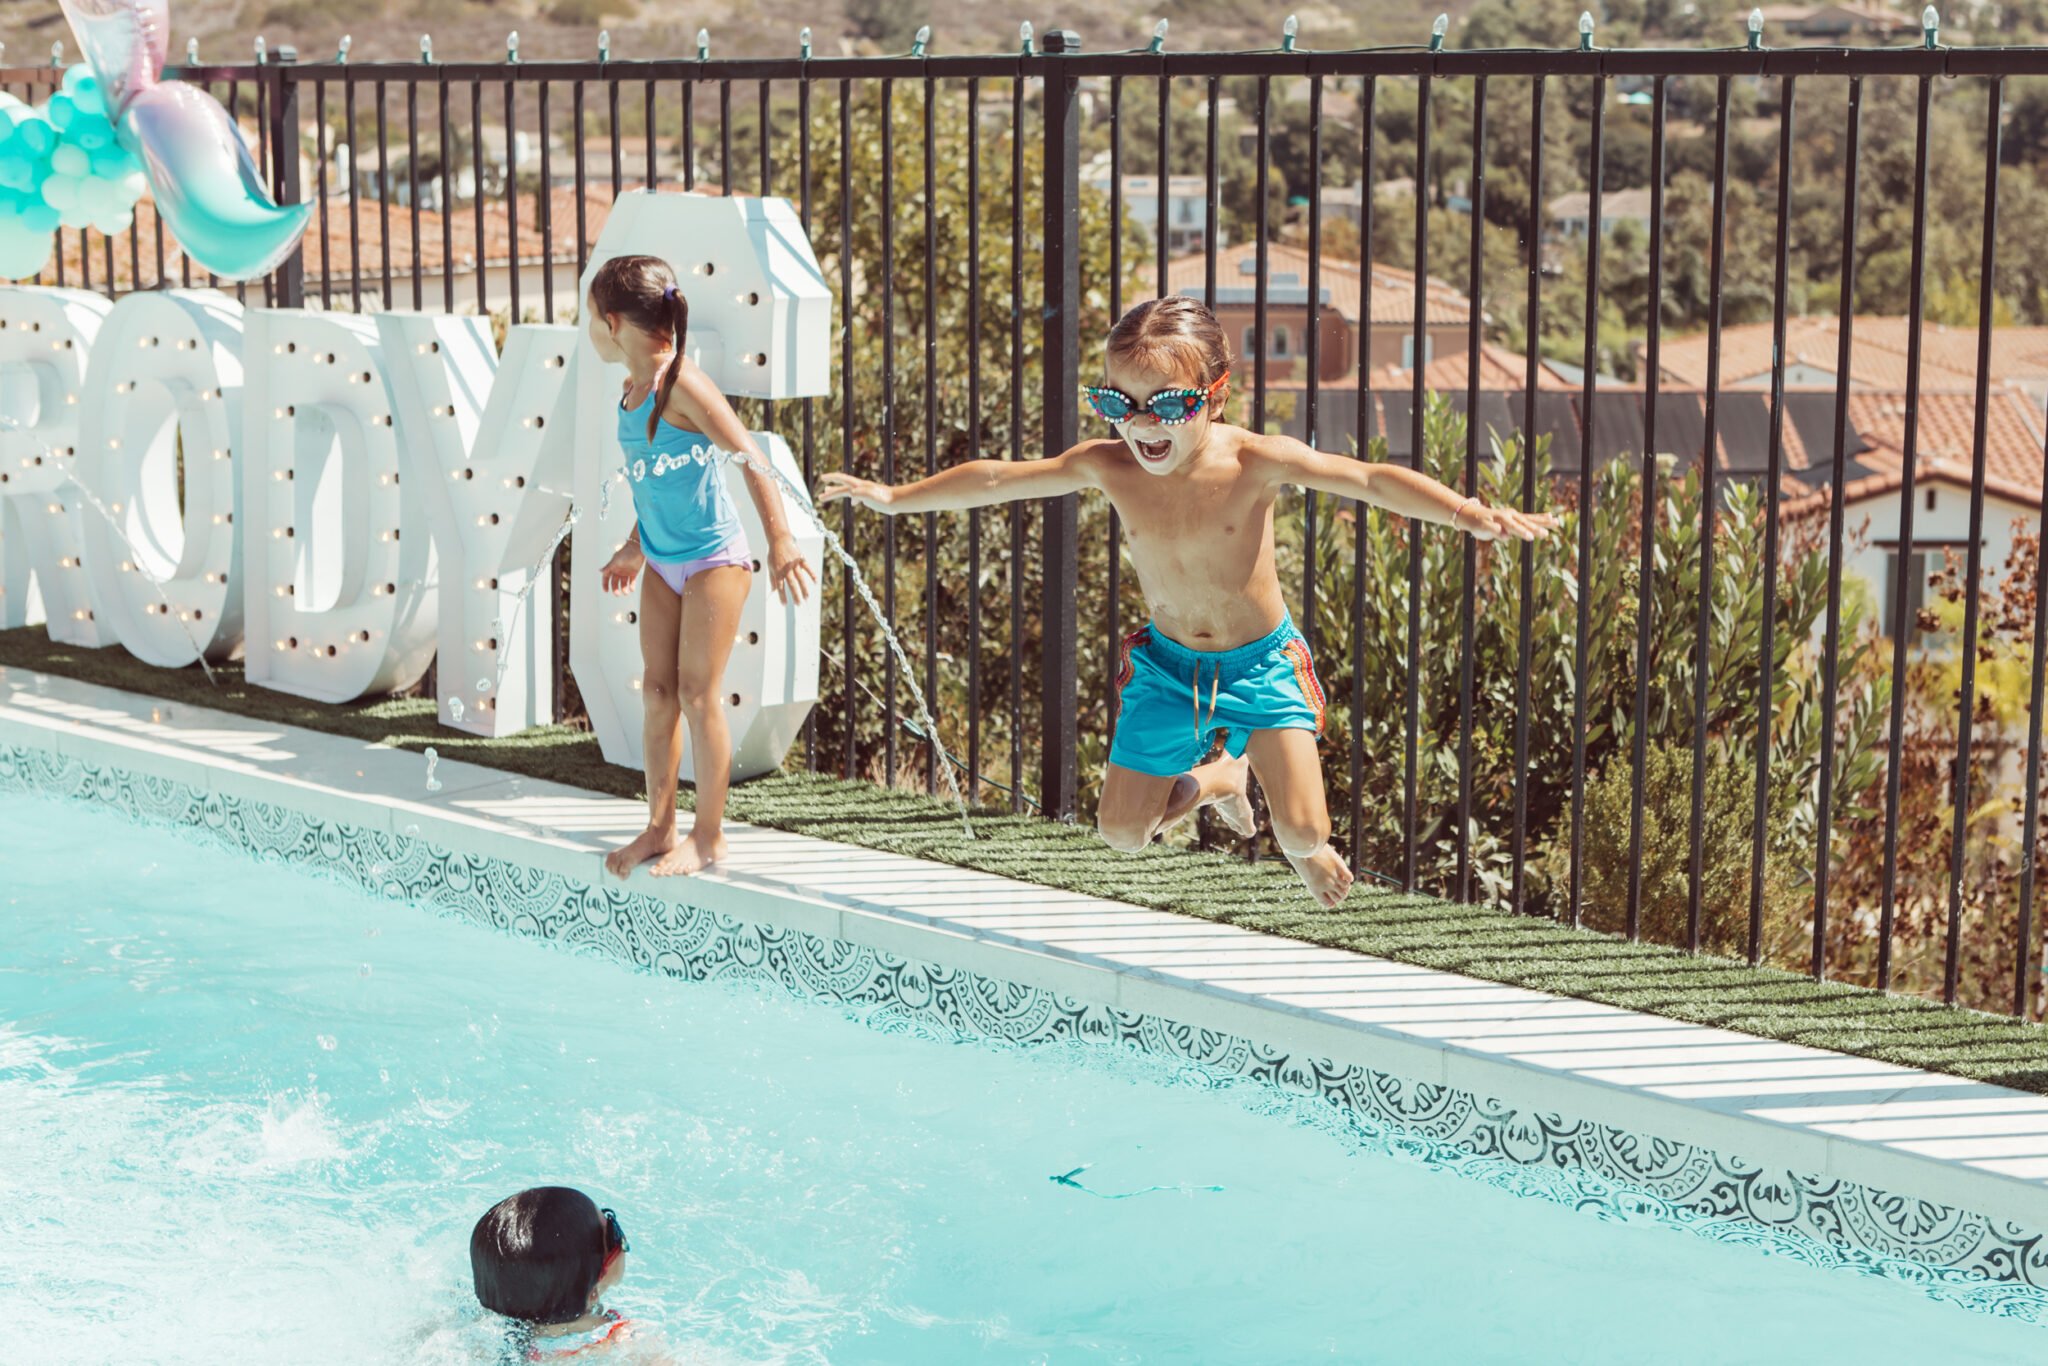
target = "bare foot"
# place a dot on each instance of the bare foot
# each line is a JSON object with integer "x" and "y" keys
{"x": 1234, "y": 806}
{"x": 650, "y": 843}
{"x": 697, "y": 852}
{"x": 1325, "y": 875}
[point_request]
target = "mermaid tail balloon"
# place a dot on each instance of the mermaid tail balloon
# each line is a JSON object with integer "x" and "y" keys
{"x": 82, "y": 163}
{"x": 206, "y": 185}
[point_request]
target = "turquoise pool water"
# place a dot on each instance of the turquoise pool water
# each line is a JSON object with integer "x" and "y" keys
{"x": 248, "y": 1115}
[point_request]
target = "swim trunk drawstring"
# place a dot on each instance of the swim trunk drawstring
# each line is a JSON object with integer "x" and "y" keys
{"x": 1215, "y": 683}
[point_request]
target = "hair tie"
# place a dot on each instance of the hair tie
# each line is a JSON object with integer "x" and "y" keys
{"x": 668, "y": 293}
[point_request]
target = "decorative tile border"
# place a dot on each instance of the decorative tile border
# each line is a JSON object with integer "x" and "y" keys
{"x": 1990, "y": 1265}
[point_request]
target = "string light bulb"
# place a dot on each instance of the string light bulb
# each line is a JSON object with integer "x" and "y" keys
{"x": 1585, "y": 30}
{"x": 1437, "y": 31}
{"x": 1756, "y": 30}
{"x": 1158, "y": 37}
{"x": 1289, "y": 31}
{"x": 919, "y": 39}
{"x": 1930, "y": 27}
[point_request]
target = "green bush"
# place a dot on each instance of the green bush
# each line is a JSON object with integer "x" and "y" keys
{"x": 1725, "y": 854}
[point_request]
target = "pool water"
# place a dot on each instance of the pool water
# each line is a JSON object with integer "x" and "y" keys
{"x": 251, "y": 1115}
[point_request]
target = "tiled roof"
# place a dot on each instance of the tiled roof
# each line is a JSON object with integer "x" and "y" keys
{"x": 1392, "y": 291}
{"x": 1499, "y": 369}
{"x": 329, "y": 254}
{"x": 1877, "y": 357}
{"x": 1947, "y": 426}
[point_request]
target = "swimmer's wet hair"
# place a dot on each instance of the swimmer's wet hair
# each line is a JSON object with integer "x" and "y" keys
{"x": 1176, "y": 336}
{"x": 538, "y": 1254}
{"x": 643, "y": 290}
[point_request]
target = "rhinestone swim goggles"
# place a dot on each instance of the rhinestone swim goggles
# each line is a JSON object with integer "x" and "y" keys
{"x": 1170, "y": 407}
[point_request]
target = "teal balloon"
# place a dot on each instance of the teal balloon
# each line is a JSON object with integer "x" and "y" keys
{"x": 90, "y": 131}
{"x": 61, "y": 192}
{"x": 38, "y": 216}
{"x": 114, "y": 163}
{"x": 18, "y": 170}
{"x": 23, "y": 250}
{"x": 71, "y": 159}
{"x": 36, "y": 135}
{"x": 61, "y": 109}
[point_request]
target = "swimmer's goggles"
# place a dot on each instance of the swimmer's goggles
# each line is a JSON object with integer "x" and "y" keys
{"x": 614, "y": 1236}
{"x": 1172, "y": 407}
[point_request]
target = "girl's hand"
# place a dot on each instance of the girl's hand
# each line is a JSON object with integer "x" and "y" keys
{"x": 623, "y": 569}
{"x": 866, "y": 492}
{"x": 789, "y": 573}
{"x": 1498, "y": 524}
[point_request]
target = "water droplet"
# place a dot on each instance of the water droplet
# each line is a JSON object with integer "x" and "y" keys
{"x": 483, "y": 685}
{"x": 363, "y": 971}
{"x": 384, "y": 1075}
{"x": 328, "y": 1042}
{"x": 604, "y": 500}
{"x": 411, "y": 832}
{"x": 454, "y": 709}
{"x": 433, "y": 759}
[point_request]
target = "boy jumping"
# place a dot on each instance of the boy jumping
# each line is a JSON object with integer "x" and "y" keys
{"x": 1220, "y": 653}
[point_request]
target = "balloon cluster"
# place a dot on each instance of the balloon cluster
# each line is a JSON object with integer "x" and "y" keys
{"x": 114, "y": 131}
{"x": 61, "y": 165}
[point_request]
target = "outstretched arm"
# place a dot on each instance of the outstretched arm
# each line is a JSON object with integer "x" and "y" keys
{"x": 972, "y": 484}
{"x": 789, "y": 573}
{"x": 1400, "y": 490}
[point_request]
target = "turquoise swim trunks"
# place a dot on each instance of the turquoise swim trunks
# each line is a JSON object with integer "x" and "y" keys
{"x": 1176, "y": 699}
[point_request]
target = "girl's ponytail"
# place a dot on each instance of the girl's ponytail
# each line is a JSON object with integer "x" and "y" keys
{"x": 643, "y": 290}
{"x": 679, "y": 321}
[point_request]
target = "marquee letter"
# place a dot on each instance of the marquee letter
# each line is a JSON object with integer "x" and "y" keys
{"x": 760, "y": 325}
{"x": 339, "y": 572}
{"x": 45, "y": 335}
{"x": 496, "y": 492}
{"x": 165, "y": 372}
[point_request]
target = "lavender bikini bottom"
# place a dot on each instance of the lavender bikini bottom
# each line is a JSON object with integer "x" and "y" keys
{"x": 676, "y": 573}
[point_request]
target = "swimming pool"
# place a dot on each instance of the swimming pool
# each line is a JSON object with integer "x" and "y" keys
{"x": 245, "y": 1105}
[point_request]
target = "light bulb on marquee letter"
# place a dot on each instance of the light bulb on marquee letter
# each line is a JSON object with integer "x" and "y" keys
{"x": 354, "y": 555}
{"x": 494, "y": 482}
{"x": 167, "y": 371}
{"x": 45, "y": 338}
{"x": 761, "y": 327}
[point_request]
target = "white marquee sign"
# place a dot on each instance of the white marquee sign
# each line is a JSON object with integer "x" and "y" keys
{"x": 340, "y": 498}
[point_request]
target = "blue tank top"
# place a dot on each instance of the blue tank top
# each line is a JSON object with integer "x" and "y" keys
{"x": 679, "y": 492}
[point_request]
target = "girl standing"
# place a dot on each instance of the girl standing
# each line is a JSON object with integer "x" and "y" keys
{"x": 674, "y": 426}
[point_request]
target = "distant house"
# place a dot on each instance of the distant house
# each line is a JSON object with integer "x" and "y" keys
{"x": 1874, "y": 479}
{"x": 1187, "y": 209}
{"x": 1571, "y": 214}
{"x": 1878, "y": 359}
{"x": 1380, "y": 333}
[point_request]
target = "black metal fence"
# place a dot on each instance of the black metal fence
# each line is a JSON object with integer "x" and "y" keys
{"x": 1027, "y": 646}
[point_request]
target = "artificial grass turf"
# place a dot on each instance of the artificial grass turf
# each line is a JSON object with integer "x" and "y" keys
{"x": 1475, "y": 941}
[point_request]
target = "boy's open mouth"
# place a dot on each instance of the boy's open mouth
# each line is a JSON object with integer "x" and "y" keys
{"x": 1154, "y": 450}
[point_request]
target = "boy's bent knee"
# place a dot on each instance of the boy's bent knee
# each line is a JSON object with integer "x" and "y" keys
{"x": 1126, "y": 837}
{"x": 1300, "y": 839}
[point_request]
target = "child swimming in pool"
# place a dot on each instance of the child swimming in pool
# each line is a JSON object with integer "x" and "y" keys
{"x": 1196, "y": 499}
{"x": 673, "y": 422}
{"x": 544, "y": 1258}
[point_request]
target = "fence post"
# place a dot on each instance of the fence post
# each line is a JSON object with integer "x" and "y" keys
{"x": 1061, "y": 343}
{"x": 284, "y": 154}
